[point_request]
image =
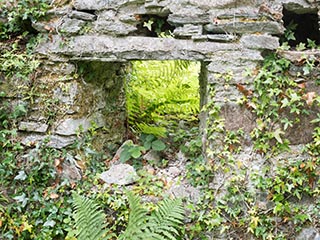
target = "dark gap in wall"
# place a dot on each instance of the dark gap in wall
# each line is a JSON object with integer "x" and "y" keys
{"x": 153, "y": 25}
{"x": 305, "y": 26}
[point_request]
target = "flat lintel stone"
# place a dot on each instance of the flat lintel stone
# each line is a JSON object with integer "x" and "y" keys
{"x": 132, "y": 48}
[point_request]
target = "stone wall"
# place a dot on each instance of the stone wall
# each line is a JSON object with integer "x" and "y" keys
{"x": 89, "y": 44}
{"x": 226, "y": 36}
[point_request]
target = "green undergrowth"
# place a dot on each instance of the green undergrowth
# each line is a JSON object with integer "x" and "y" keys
{"x": 240, "y": 197}
{"x": 274, "y": 198}
{"x": 162, "y": 93}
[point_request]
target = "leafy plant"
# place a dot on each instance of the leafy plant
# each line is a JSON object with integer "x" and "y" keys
{"x": 161, "y": 93}
{"x": 131, "y": 150}
{"x": 89, "y": 219}
{"x": 165, "y": 222}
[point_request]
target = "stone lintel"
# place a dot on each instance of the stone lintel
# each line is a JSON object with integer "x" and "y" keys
{"x": 132, "y": 48}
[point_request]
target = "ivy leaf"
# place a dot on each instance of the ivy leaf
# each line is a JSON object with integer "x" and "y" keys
{"x": 21, "y": 176}
{"x": 22, "y": 199}
{"x": 148, "y": 24}
{"x": 49, "y": 223}
{"x": 276, "y": 135}
{"x": 158, "y": 145}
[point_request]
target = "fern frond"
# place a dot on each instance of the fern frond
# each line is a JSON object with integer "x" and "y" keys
{"x": 137, "y": 219}
{"x": 168, "y": 218}
{"x": 89, "y": 219}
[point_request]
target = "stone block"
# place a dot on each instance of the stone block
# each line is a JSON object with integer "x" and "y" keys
{"x": 54, "y": 141}
{"x": 246, "y": 27}
{"x": 33, "y": 127}
{"x": 188, "y": 30}
{"x": 113, "y": 27}
{"x": 237, "y": 117}
{"x": 82, "y": 16}
{"x": 120, "y": 174}
{"x": 222, "y": 37}
{"x": 260, "y": 42}
{"x": 71, "y": 26}
{"x": 70, "y": 126}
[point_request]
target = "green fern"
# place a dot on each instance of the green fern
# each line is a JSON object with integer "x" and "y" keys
{"x": 164, "y": 223}
{"x": 160, "y": 92}
{"x": 89, "y": 219}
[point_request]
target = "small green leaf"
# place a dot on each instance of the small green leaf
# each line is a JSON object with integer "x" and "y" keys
{"x": 135, "y": 152}
{"x": 125, "y": 155}
{"x": 158, "y": 145}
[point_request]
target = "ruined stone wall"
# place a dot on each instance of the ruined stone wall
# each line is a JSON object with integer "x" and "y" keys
{"x": 228, "y": 37}
{"x": 89, "y": 44}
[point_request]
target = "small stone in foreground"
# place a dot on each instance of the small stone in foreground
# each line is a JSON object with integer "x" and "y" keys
{"x": 120, "y": 174}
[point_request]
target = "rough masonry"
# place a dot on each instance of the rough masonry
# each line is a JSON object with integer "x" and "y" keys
{"x": 89, "y": 44}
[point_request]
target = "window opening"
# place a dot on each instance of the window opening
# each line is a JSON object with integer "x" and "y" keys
{"x": 301, "y": 27}
{"x": 163, "y": 96}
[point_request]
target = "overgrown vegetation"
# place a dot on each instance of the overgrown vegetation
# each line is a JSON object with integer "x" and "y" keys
{"x": 266, "y": 202}
{"x": 160, "y": 94}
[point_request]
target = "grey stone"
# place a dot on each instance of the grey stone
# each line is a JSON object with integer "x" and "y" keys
{"x": 152, "y": 156}
{"x": 116, "y": 157}
{"x": 82, "y": 16}
{"x": 71, "y": 26}
{"x": 113, "y": 27}
{"x": 120, "y": 174}
{"x": 70, "y": 169}
{"x": 185, "y": 191}
{"x": 188, "y": 30}
{"x": 102, "y": 4}
{"x": 309, "y": 233}
{"x": 60, "y": 142}
{"x": 71, "y": 126}
{"x": 193, "y": 16}
{"x": 297, "y": 56}
{"x": 57, "y": 142}
{"x": 91, "y": 4}
{"x": 245, "y": 27}
{"x": 221, "y": 37}
{"x": 260, "y": 42}
{"x": 106, "y": 48}
{"x": 66, "y": 93}
{"x": 298, "y": 6}
{"x": 33, "y": 127}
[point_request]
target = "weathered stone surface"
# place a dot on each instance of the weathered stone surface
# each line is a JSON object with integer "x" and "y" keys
{"x": 66, "y": 93}
{"x": 245, "y": 27}
{"x": 297, "y": 56}
{"x": 185, "y": 191}
{"x": 71, "y": 26}
{"x": 113, "y": 27}
{"x": 91, "y": 4}
{"x": 188, "y": 30}
{"x": 70, "y": 169}
{"x": 107, "y": 48}
{"x": 298, "y": 6}
{"x": 71, "y": 126}
{"x": 102, "y": 4}
{"x": 260, "y": 42}
{"x": 152, "y": 157}
{"x": 120, "y": 174}
{"x": 57, "y": 142}
{"x": 221, "y": 37}
{"x": 309, "y": 233}
{"x": 82, "y": 16}
{"x": 237, "y": 117}
{"x": 33, "y": 127}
